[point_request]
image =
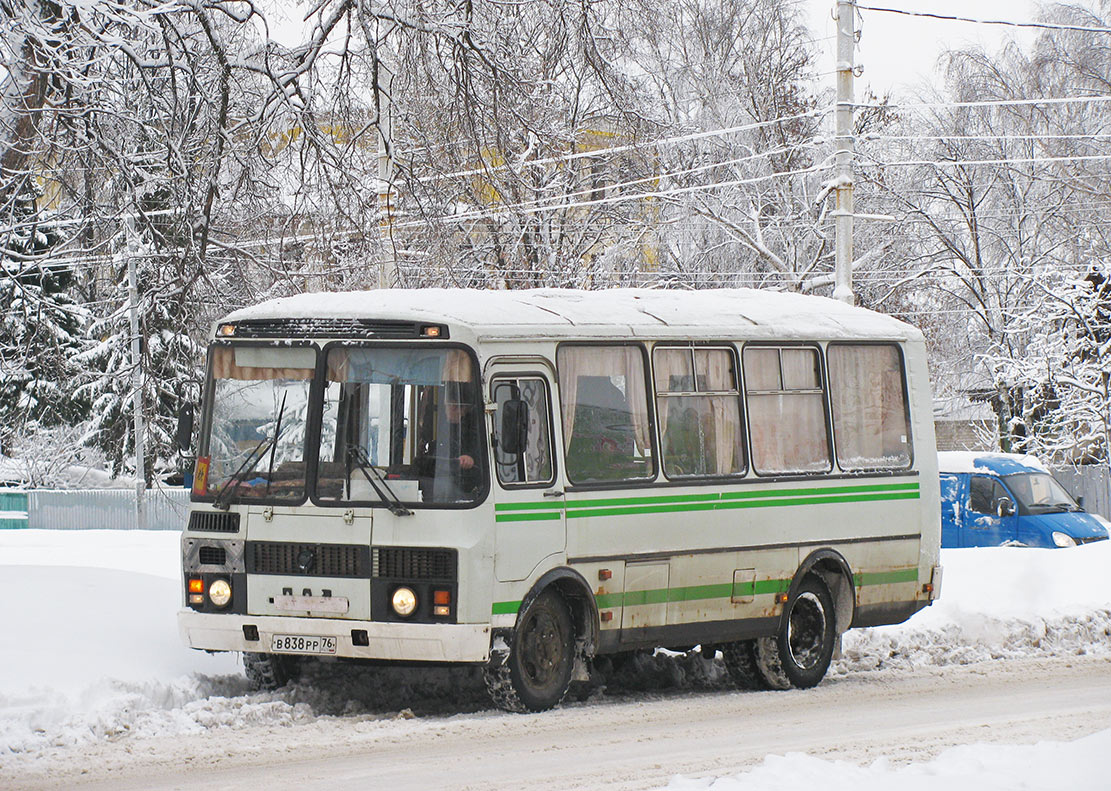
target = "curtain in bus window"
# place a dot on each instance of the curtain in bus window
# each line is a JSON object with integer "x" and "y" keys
{"x": 785, "y": 407}
{"x": 605, "y": 413}
{"x": 869, "y": 410}
{"x": 700, "y": 430}
{"x": 715, "y": 366}
{"x": 263, "y": 362}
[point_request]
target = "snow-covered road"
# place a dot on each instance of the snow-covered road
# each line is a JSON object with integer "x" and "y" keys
{"x": 901, "y": 716}
{"x": 99, "y": 693}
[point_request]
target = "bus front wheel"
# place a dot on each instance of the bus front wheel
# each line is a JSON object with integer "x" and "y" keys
{"x": 536, "y": 674}
{"x": 800, "y": 653}
{"x": 270, "y": 671}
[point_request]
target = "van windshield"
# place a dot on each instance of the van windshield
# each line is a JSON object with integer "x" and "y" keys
{"x": 1040, "y": 492}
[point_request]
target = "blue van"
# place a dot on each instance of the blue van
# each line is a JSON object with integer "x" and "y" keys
{"x": 995, "y": 499}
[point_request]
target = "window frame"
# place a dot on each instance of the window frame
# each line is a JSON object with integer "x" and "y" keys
{"x": 620, "y": 483}
{"x": 208, "y": 398}
{"x": 906, "y": 409}
{"x": 495, "y": 380}
{"x": 738, "y": 393}
{"x": 823, "y": 389}
{"x": 317, "y": 413}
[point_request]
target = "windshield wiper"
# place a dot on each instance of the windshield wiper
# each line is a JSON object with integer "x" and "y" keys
{"x": 274, "y": 444}
{"x": 253, "y": 458}
{"x": 378, "y": 482}
{"x": 249, "y": 464}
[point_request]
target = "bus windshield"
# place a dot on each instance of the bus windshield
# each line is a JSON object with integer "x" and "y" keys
{"x": 255, "y": 444}
{"x": 1040, "y": 492}
{"x": 401, "y": 427}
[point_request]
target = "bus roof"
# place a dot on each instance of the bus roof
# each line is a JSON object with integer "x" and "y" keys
{"x": 566, "y": 313}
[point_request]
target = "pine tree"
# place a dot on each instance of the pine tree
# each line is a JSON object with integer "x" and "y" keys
{"x": 42, "y": 327}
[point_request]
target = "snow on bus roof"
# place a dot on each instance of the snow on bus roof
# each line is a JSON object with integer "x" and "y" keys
{"x": 565, "y": 312}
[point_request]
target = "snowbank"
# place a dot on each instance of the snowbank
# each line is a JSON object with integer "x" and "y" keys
{"x": 1080, "y": 765}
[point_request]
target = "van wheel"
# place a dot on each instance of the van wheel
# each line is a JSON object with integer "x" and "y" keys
{"x": 270, "y": 671}
{"x": 536, "y": 674}
{"x": 740, "y": 664}
{"x": 799, "y": 655}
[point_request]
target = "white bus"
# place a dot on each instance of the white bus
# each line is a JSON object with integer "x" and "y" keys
{"x": 526, "y": 480}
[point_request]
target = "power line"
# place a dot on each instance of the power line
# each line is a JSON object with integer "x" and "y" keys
{"x": 953, "y": 18}
{"x": 1098, "y": 98}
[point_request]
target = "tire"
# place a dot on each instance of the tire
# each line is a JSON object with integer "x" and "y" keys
{"x": 740, "y": 664}
{"x": 536, "y": 674}
{"x": 270, "y": 671}
{"x": 799, "y": 655}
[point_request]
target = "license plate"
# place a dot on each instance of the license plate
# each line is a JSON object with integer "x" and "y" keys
{"x": 302, "y": 644}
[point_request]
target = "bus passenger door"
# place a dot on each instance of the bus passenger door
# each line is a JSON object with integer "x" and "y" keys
{"x": 528, "y": 504}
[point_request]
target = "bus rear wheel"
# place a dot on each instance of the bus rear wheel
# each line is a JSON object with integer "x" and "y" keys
{"x": 741, "y": 665}
{"x": 536, "y": 674}
{"x": 800, "y": 653}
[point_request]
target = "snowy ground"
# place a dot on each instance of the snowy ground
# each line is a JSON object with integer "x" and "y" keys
{"x": 92, "y": 662}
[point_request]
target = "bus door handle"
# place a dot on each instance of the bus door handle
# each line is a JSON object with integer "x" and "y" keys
{"x": 554, "y": 493}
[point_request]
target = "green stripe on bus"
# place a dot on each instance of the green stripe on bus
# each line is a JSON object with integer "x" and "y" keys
{"x": 887, "y": 577}
{"x": 528, "y": 506}
{"x": 607, "y": 601}
{"x": 528, "y": 517}
{"x": 722, "y": 506}
{"x": 506, "y": 607}
{"x": 709, "y": 497}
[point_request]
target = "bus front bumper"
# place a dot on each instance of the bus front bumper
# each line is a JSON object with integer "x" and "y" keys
{"x": 414, "y": 642}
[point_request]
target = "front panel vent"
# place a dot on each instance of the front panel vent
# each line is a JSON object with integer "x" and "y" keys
{"x": 415, "y": 564}
{"x": 316, "y": 560}
{"x": 214, "y": 521}
{"x": 212, "y": 556}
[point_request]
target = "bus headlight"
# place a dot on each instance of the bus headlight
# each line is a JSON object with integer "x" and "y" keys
{"x": 404, "y": 602}
{"x": 1063, "y": 540}
{"x": 219, "y": 593}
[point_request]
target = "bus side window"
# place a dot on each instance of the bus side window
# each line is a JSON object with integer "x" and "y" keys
{"x": 786, "y": 410}
{"x": 699, "y": 410}
{"x": 604, "y": 406}
{"x": 532, "y": 462}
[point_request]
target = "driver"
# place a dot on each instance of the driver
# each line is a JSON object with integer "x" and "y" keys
{"x": 451, "y": 455}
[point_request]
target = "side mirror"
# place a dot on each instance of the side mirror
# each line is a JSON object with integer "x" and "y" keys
{"x": 1080, "y": 501}
{"x": 184, "y": 435}
{"x": 1005, "y": 507}
{"x": 514, "y": 426}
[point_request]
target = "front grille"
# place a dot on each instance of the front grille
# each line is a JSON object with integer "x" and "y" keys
{"x": 415, "y": 564}
{"x": 316, "y": 560}
{"x": 328, "y": 328}
{"x": 1090, "y": 539}
{"x": 212, "y": 556}
{"x": 213, "y": 521}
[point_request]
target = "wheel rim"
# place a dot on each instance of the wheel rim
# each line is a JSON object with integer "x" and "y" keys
{"x": 806, "y": 630}
{"x": 542, "y": 650}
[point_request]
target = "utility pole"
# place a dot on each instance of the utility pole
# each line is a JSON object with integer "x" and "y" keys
{"x": 132, "y": 243}
{"x": 843, "y": 213}
{"x": 388, "y": 275}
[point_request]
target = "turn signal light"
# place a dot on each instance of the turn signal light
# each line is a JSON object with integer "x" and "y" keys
{"x": 430, "y": 332}
{"x": 226, "y": 330}
{"x": 441, "y": 597}
{"x": 781, "y": 598}
{"x": 196, "y": 586}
